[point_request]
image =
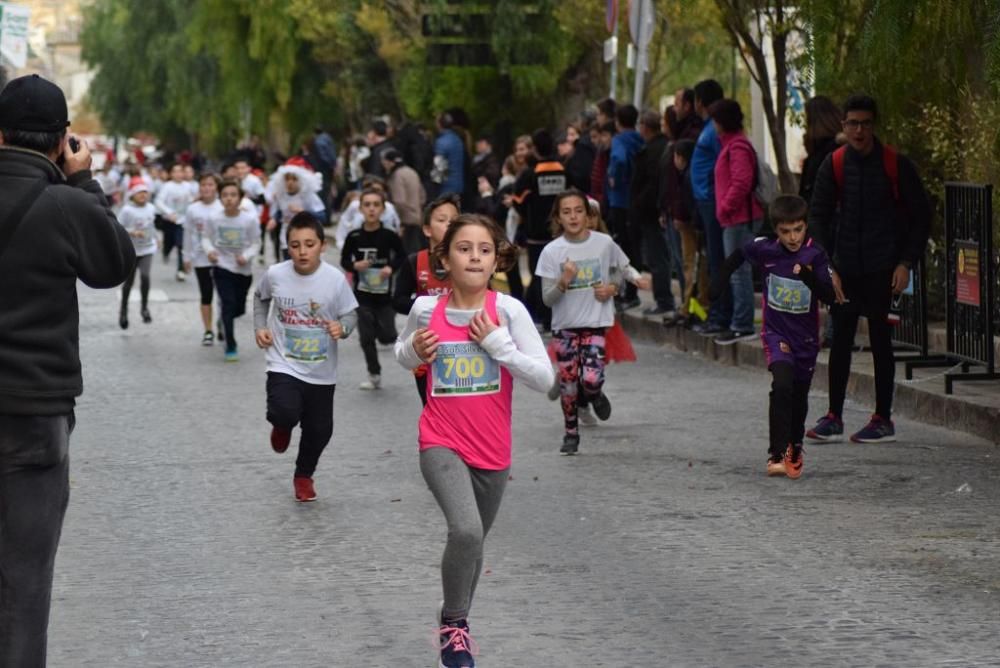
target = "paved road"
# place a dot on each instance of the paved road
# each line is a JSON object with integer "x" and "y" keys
{"x": 662, "y": 544}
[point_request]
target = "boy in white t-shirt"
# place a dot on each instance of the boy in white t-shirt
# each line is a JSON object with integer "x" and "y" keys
{"x": 171, "y": 201}
{"x": 137, "y": 217}
{"x": 313, "y": 308}
{"x": 580, "y": 273}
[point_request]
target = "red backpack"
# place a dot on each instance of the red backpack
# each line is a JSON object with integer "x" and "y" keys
{"x": 890, "y": 163}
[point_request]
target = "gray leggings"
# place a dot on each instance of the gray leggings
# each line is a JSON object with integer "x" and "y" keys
{"x": 470, "y": 499}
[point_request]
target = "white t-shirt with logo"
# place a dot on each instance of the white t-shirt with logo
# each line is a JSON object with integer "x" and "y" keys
{"x": 138, "y": 221}
{"x": 595, "y": 258}
{"x": 300, "y": 308}
{"x": 173, "y": 198}
{"x": 230, "y": 236}
{"x": 196, "y": 220}
{"x": 284, "y": 202}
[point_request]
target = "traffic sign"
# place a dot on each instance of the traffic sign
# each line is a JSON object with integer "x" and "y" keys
{"x": 641, "y": 21}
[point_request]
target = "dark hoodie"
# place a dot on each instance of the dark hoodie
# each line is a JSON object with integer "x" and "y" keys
{"x": 68, "y": 234}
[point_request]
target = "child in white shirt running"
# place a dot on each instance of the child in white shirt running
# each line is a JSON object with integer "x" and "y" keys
{"x": 313, "y": 308}
{"x": 230, "y": 243}
{"x": 578, "y": 270}
{"x": 196, "y": 219}
{"x": 138, "y": 218}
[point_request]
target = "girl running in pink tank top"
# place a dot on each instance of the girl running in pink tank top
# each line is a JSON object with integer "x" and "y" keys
{"x": 477, "y": 342}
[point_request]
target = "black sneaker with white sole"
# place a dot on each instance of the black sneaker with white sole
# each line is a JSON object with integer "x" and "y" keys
{"x": 602, "y": 407}
{"x": 571, "y": 443}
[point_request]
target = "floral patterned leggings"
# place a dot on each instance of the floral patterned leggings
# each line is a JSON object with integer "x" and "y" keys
{"x": 580, "y": 359}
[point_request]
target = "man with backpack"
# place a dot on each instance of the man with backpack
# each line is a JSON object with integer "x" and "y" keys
{"x": 870, "y": 211}
{"x": 56, "y": 227}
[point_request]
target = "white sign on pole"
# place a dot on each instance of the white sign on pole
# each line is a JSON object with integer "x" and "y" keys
{"x": 610, "y": 48}
{"x": 14, "y": 33}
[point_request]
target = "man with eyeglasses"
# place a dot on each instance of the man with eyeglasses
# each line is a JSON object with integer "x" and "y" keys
{"x": 871, "y": 213}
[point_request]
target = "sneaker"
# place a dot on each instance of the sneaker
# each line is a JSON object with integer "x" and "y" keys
{"x": 585, "y": 417}
{"x": 776, "y": 465}
{"x": 123, "y": 320}
{"x": 571, "y": 443}
{"x": 733, "y": 336}
{"x": 280, "y": 438}
{"x": 602, "y": 407}
{"x": 553, "y": 392}
{"x": 793, "y": 461}
{"x": 181, "y": 276}
{"x": 207, "y": 338}
{"x": 304, "y": 490}
{"x": 829, "y": 428}
{"x": 456, "y": 645}
{"x": 878, "y": 430}
{"x": 232, "y": 356}
{"x": 671, "y": 318}
{"x": 146, "y": 317}
{"x": 626, "y": 304}
{"x": 708, "y": 329}
{"x": 374, "y": 382}
{"x": 657, "y": 310}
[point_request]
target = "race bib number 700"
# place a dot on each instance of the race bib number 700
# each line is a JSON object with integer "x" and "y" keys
{"x": 464, "y": 369}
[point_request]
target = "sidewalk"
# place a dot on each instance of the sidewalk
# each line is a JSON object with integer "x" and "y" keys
{"x": 974, "y": 407}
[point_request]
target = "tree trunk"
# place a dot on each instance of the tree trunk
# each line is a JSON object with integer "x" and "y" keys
{"x": 750, "y": 47}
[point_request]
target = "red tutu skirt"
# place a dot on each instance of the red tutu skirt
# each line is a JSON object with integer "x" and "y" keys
{"x": 617, "y": 345}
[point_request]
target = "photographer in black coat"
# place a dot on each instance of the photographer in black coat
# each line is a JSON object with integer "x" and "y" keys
{"x": 56, "y": 227}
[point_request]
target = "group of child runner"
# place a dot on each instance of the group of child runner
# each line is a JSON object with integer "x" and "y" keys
{"x": 465, "y": 342}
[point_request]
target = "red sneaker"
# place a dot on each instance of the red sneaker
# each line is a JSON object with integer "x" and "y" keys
{"x": 793, "y": 461}
{"x": 304, "y": 490}
{"x": 280, "y": 438}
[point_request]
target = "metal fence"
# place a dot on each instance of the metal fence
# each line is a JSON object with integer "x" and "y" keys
{"x": 970, "y": 273}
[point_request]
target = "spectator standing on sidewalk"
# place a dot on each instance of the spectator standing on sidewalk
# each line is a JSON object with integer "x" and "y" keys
{"x": 823, "y": 135}
{"x": 645, "y": 214}
{"x": 449, "y": 158}
{"x": 706, "y": 152}
{"x": 737, "y": 210}
{"x": 407, "y": 194}
{"x": 621, "y": 165}
{"x": 880, "y": 232}
{"x": 56, "y": 227}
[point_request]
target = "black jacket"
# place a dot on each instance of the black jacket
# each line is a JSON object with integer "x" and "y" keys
{"x": 69, "y": 234}
{"x": 534, "y": 195}
{"x": 864, "y": 229}
{"x": 646, "y": 181}
{"x": 810, "y": 168}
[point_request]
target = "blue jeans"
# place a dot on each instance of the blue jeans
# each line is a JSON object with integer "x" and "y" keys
{"x": 34, "y": 492}
{"x": 721, "y": 311}
{"x": 656, "y": 254}
{"x": 741, "y": 281}
{"x": 673, "y": 238}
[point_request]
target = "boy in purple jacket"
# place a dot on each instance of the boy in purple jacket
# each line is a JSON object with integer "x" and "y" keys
{"x": 796, "y": 275}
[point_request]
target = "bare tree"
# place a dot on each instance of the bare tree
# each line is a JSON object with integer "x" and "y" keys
{"x": 749, "y": 23}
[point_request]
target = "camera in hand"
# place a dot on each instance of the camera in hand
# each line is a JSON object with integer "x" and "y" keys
{"x": 74, "y": 144}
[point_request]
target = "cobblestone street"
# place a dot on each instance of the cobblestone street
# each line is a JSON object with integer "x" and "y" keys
{"x": 662, "y": 544}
